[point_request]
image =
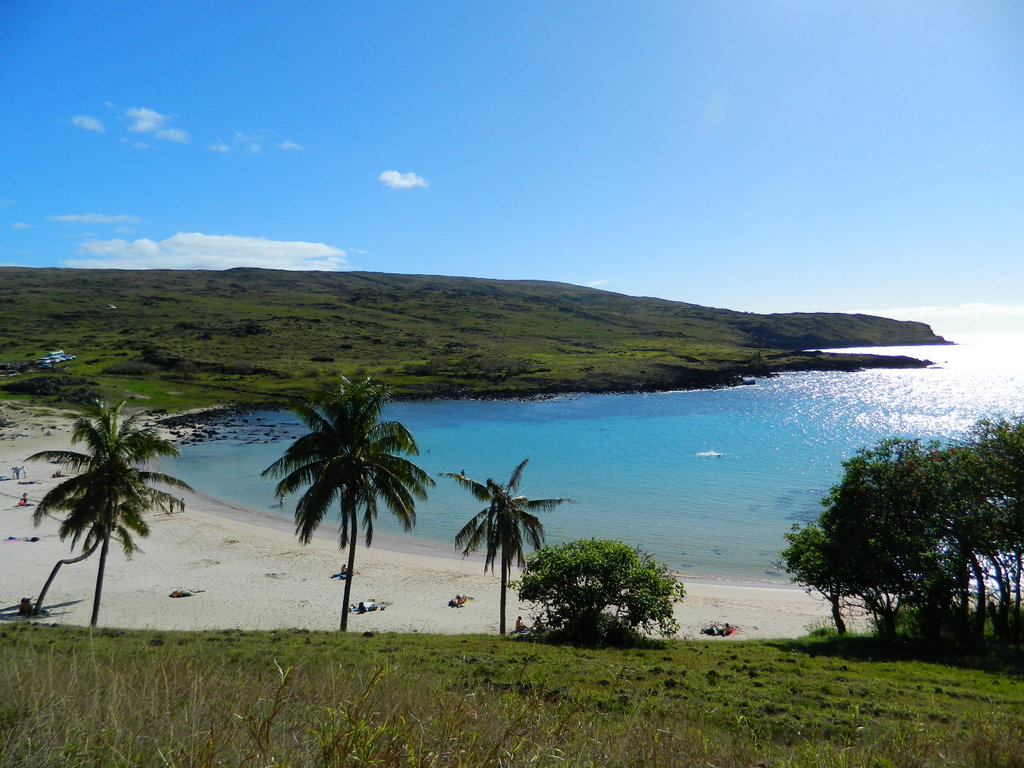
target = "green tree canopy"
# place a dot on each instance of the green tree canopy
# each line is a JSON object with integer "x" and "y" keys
{"x": 999, "y": 444}
{"x": 350, "y": 458}
{"x": 502, "y": 526}
{"x": 601, "y": 592}
{"x": 109, "y": 491}
{"x": 918, "y": 534}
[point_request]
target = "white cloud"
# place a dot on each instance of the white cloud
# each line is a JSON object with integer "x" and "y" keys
{"x": 145, "y": 120}
{"x": 970, "y": 317}
{"x": 596, "y": 283}
{"x": 21, "y": 225}
{"x": 173, "y": 134}
{"x": 194, "y": 250}
{"x": 397, "y": 180}
{"x": 93, "y": 218}
{"x": 256, "y": 143}
{"x": 970, "y": 310}
{"x": 88, "y": 123}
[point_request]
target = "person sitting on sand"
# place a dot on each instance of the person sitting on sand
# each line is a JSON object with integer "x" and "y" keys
{"x": 25, "y": 607}
{"x": 538, "y": 625}
{"x": 24, "y": 500}
{"x": 342, "y": 574}
{"x": 520, "y": 626}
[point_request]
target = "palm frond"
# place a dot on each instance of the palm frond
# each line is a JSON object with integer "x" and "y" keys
{"x": 517, "y": 475}
{"x": 111, "y": 492}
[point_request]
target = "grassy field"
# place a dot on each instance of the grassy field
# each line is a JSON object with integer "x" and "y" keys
{"x": 72, "y": 697}
{"x": 181, "y": 339}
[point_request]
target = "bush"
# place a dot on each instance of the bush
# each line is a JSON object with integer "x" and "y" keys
{"x": 131, "y": 368}
{"x": 600, "y": 592}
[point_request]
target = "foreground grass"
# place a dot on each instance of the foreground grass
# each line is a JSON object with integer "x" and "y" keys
{"x": 72, "y": 697}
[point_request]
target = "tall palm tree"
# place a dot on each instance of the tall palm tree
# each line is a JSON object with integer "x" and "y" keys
{"x": 109, "y": 492}
{"x": 352, "y": 458}
{"x": 502, "y": 525}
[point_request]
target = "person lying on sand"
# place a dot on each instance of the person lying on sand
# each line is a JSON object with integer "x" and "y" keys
{"x": 365, "y": 606}
{"x": 458, "y": 601}
{"x": 720, "y": 630}
{"x": 184, "y": 592}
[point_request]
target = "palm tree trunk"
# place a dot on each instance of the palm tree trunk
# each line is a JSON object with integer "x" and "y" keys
{"x": 99, "y": 581}
{"x": 502, "y": 600}
{"x": 53, "y": 574}
{"x": 351, "y": 570}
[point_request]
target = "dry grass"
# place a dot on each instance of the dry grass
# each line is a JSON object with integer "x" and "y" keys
{"x": 75, "y": 698}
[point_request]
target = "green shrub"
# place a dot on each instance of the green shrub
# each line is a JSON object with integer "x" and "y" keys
{"x": 600, "y": 592}
{"x": 131, "y": 368}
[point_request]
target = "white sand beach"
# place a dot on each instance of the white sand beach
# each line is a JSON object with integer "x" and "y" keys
{"x": 248, "y": 571}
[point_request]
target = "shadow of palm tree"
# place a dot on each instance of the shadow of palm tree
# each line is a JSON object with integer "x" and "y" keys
{"x": 10, "y": 612}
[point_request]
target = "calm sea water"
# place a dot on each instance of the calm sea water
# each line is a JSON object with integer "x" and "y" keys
{"x": 707, "y": 481}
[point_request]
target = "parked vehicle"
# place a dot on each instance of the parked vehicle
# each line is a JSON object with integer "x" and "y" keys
{"x": 57, "y": 356}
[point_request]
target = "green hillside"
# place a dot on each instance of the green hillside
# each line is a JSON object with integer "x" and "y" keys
{"x": 183, "y": 338}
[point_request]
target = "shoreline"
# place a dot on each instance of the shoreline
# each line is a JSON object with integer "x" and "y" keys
{"x": 248, "y": 571}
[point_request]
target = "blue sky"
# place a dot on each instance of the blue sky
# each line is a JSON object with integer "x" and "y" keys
{"x": 767, "y": 156}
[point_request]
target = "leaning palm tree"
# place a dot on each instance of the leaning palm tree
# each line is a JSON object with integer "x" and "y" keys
{"x": 502, "y": 525}
{"x": 109, "y": 492}
{"x": 352, "y": 458}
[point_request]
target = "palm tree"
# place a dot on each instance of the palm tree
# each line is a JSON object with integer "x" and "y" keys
{"x": 352, "y": 458}
{"x": 502, "y": 524}
{"x": 110, "y": 493}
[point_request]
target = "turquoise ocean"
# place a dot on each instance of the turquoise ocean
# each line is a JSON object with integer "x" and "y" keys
{"x": 706, "y": 481}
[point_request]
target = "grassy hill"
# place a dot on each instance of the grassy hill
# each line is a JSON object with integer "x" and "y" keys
{"x": 123, "y": 698}
{"x": 177, "y": 339}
